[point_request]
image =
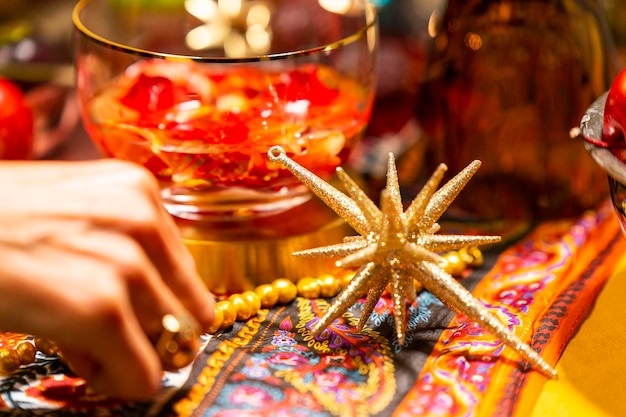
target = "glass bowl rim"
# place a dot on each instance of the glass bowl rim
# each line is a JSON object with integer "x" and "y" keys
{"x": 370, "y": 15}
{"x": 591, "y": 132}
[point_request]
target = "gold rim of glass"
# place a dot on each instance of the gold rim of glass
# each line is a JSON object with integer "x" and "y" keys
{"x": 370, "y": 15}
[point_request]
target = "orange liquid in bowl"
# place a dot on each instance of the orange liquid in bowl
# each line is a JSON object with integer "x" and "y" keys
{"x": 204, "y": 131}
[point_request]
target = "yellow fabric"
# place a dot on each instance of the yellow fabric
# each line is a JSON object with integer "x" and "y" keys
{"x": 592, "y": 370}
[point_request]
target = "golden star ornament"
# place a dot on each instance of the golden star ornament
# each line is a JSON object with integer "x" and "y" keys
{"x": 395, "y": 247}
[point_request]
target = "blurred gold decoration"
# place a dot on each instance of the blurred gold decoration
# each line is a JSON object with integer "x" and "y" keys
{"x": 396, "y": 246}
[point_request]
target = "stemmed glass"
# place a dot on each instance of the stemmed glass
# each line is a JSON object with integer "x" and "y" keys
{"x": 591, "y": 132}
{"x": 197, "y": 91}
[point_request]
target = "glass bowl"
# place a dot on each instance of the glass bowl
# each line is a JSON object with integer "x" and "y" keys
{"x": 197, "y": 91}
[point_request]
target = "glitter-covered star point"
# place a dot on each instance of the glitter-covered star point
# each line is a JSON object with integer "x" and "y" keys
{"x": 394, "y": 247}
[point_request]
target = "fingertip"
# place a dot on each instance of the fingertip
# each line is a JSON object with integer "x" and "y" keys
{"x": 207, "y": 315}
{"x": 153, "y": 385}
{"x": 139, "y": 390}
{"x": 139, "y": 380}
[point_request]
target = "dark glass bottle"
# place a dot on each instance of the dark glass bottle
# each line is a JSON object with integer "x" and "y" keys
{"x": 505, "y": 83}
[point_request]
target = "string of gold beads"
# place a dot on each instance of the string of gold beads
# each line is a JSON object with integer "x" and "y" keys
{"x": 15, "y": 355}
{"x": 243, "y": 306}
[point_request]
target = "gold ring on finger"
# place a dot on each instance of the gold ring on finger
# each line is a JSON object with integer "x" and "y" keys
{"x": 179, "y": 341}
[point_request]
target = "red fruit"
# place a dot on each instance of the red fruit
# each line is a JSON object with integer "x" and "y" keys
{"x": 304, "y": 83}
{"x": 615, "y": 114}
{"x": 16, "y": 122}
{"x": 150, "y": 94}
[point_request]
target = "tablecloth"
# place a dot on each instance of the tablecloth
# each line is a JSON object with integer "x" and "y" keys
{"x": 542, "y": 285}
{"x": 592, "y": 370}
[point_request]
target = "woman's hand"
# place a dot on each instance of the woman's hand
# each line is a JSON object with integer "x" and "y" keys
{"x": 90, "y": 259}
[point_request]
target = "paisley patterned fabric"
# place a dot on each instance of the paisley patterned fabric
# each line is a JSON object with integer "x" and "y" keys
{"x": 541, "y": 286}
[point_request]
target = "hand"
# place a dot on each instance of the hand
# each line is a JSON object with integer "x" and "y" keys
{"x": 92, "y": 261}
